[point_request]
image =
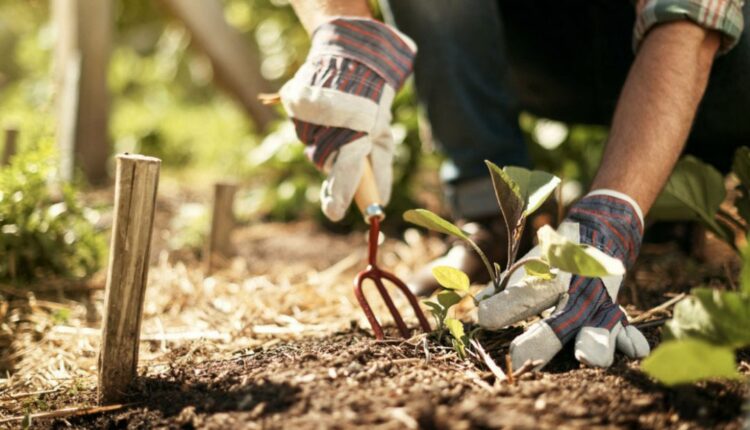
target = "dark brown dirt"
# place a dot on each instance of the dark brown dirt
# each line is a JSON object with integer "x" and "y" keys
{"x": 349, "y": 380}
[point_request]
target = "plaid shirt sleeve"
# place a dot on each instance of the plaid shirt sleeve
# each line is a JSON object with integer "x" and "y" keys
{"x": 724, "y": 16}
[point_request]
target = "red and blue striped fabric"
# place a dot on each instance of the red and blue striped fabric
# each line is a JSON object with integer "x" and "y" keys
{"x": 613, "y": 226}
{"x": 347, "y": 76}
{"x": 368, "y": 42}
{"x": 357, "y": 57}
{"x": 609, "y": 224}
{"x": 321, "y": 141}
{"x": 588, "y": 304}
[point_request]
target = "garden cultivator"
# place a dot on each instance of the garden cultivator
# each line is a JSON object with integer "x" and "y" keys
{"x": 368, "y": 201}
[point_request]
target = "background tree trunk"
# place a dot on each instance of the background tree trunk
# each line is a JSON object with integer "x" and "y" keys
{"x": 236, "y": 62}
{"x": 84, "y": 32}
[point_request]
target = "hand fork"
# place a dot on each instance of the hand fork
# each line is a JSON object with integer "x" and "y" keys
{"x": 368, "y": 201}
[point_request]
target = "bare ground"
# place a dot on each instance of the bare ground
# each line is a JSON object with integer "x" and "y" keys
{"x": 275, "y": 340}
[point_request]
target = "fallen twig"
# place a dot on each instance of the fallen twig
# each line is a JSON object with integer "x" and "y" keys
{"x": 10, "y": 397}
{"x": 291, "y": 329}
{"x": 479, "y": 381}
{"x": 421, "y": 360}
{"x": 154, "y": 337}
{"x": 269, "y": 98}
{"x": 509, "y": 366}
{"x": 427, "y": 355}
{"x": 526, "y": 367}
{"x": 69, "y": 412}
{"x": 653, "y": 323}
{"x": 489, "y": 362}
{"x": 662, "y": 307}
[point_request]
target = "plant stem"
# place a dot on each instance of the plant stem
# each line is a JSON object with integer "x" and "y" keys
{"x": 512, "y": 269}
{"x": 517, "y": 233}
{"x": 486, "y": 262}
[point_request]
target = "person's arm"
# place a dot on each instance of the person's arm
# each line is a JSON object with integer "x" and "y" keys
{"x": 656, "y": 109}
{"x": 312, "y": 13}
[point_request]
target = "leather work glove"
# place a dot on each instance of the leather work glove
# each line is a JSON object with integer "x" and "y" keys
{"x": 585, "y": 308}
{"x": 340, "y": 102}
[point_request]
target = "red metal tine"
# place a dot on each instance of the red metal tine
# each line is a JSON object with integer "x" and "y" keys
{"x": 374, "y": 273}
{"x": 409, "y": 296}
{"x": 376, "y": 328}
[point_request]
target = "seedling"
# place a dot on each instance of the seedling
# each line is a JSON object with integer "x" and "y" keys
{"x": 703, "y": 335}
{"x": 454, "y": 282}
{"x": 520, "y": 192}
{"x": 695, "y": 192}
{"x": 708, "y": 327}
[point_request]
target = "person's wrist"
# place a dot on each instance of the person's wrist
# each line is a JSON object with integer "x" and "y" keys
{"x": 380, "y": 47}
{"x": 610, "y": 221}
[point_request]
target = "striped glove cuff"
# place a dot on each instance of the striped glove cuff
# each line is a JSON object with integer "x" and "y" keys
{"x": 385, "y": 50}
{"x": 610, "y": 221}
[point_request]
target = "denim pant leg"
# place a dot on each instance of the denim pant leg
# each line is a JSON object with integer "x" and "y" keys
{"x": 461, "y": 81}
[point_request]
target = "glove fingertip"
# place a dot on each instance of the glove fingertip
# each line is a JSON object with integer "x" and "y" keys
{"x": 640, "y": 343}
{"x": 595, "y": 347}
{"x": 538, "y": 344}
{"x": 333, "y": 210}
{"x": 633, "y": 343}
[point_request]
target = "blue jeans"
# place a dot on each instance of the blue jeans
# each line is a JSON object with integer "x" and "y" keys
{"x": 481, "y": 62}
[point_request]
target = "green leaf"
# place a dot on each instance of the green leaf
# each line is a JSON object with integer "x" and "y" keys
{"x": 538, "y": 269}
{"x": 719, "y": 317}
{"x": 741, "y": 168}
{"x": 448, "y": 299}
{"x": 535, "y": 186}
{"x": 700, "y": 189}
{"x": 745, "y": 271}
{"x": 432, "y": 221}
{"x": 456, "y": 329}
{"x": 510, "y": 200}
{"x": 742, "y": 203}
{"x": 668, "y": 208}
{"x": 741, "y": 165}
{"x": 437, "y": 311}
{"x": 730, "y": 313}
{"x": 451, "y": 278}
{"x": 435, "y": 308}
{"x": 574, "y": 258}
{"x": 690, "y": 360}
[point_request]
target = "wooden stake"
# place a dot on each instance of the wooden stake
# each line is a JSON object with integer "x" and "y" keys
{"x": 135, "y": 200}
{"x": 9, "y": 150}
{"x": 219, "y": 247}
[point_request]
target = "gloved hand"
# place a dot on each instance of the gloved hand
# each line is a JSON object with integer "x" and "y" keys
{"x": 585, "y": 308}
{"x": 340, "y": 101}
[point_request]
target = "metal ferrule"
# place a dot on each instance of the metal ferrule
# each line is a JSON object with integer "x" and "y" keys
{"x": 374, "y": 211}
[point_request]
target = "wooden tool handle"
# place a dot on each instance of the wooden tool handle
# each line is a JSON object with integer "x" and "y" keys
{"x": 367, "y": 196}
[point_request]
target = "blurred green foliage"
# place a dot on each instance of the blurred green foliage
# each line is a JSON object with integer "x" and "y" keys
{"x": 569, "y": 151}
{"x": 44, "y": 230}
{"x": 164, "y": 103}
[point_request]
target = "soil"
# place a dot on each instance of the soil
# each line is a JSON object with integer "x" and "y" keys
{"x": 349, "y": 380}
{"x": 324, "y": 369}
